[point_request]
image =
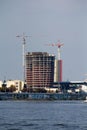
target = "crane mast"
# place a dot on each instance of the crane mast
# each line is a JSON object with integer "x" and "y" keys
{"x": 23, "y": 53}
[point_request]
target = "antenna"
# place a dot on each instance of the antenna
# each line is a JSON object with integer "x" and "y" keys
{"x": 23, "y": 52}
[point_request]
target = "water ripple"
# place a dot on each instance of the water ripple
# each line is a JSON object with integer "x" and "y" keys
{"x": 63, "y": 125}
{"x": 43, "y": 116}
{"x": 14, "y": 129}
{"x": 30, "y": 124}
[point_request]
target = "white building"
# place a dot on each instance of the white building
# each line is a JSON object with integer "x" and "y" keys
{"x": 84, "y": 88}
{"x": 1, "y": 84}
{"x": 51, "y": 90}
{"x": 56, "y": 71}
{"x": 17, "y": 83}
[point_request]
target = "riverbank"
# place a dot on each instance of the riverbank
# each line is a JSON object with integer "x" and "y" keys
{"x": 42, "y": 96}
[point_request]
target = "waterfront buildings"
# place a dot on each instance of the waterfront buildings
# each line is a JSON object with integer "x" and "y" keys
{"x": 17, "y": 84}
{"x": 39, "y": 69}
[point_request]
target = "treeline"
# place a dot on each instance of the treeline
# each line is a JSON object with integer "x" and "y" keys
{"x": 13, "y": 88}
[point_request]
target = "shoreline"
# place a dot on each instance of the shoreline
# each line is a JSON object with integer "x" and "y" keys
{"x": 42, "y": 96}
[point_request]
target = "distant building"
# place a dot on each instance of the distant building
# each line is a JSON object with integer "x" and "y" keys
{"x": 39, "y": 69}
{"x": 18, "y": 84}
{"x": 58, "y": 71}
{"x": 84, "y": 88}
{"x": 1, "y": 84}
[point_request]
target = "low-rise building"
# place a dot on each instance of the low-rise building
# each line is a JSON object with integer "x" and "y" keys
{"x": 18, "y": 84}
{"x": 1, "y": 84}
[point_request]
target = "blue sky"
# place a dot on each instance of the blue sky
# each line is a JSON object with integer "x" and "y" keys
{"x": 46, "y": 21}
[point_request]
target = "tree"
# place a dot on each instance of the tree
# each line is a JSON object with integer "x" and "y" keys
{"x": 12, "y": 88}
{"x": 4, "y": 86}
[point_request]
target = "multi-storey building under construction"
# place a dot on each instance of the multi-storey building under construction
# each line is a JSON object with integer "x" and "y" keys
{"x": 39, "y": 69}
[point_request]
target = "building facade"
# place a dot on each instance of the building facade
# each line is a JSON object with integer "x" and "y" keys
{"x": 39, "y": 69}
{"x": 18, "y": 84}
{"x": 58, "y": 71}
{"x": 1, "y": 84}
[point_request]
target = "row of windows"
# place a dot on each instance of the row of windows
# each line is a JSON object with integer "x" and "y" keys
{"x": 40, "y": 58}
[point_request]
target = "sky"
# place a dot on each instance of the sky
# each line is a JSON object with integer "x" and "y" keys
{"x": 45, "y": 22}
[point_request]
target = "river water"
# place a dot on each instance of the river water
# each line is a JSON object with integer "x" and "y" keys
{"x": 43, "y": 115}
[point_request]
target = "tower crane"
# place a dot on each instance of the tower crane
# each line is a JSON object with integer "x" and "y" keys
{"x": 58, "y": 63}
{"x": 23, "y": 52}
{"x": 59, "y": 45}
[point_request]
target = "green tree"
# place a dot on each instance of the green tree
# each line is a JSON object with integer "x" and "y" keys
{"x": 12, "y": 88}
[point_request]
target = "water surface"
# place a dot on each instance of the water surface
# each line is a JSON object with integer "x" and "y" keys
{"x": 43, "y": 115}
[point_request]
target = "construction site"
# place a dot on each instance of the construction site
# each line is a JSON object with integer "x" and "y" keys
{"x": 44, "y": 71}
{"x": 41, "y": 69}
{"x": 43, "y": 78}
